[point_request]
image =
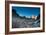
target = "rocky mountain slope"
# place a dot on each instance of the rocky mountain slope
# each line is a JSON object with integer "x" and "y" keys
{"x": 23, "y": 22}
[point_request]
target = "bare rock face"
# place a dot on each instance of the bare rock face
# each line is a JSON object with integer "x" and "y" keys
{"x": 34, "y": 17}
{"x": 24, "y": 23}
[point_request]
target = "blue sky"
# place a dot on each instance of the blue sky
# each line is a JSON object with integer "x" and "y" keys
{"x": 27, "y": 11}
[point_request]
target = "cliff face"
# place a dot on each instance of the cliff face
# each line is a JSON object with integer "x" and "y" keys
{"x": 14, "y": 13}
{"x": 23, "y": 22}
